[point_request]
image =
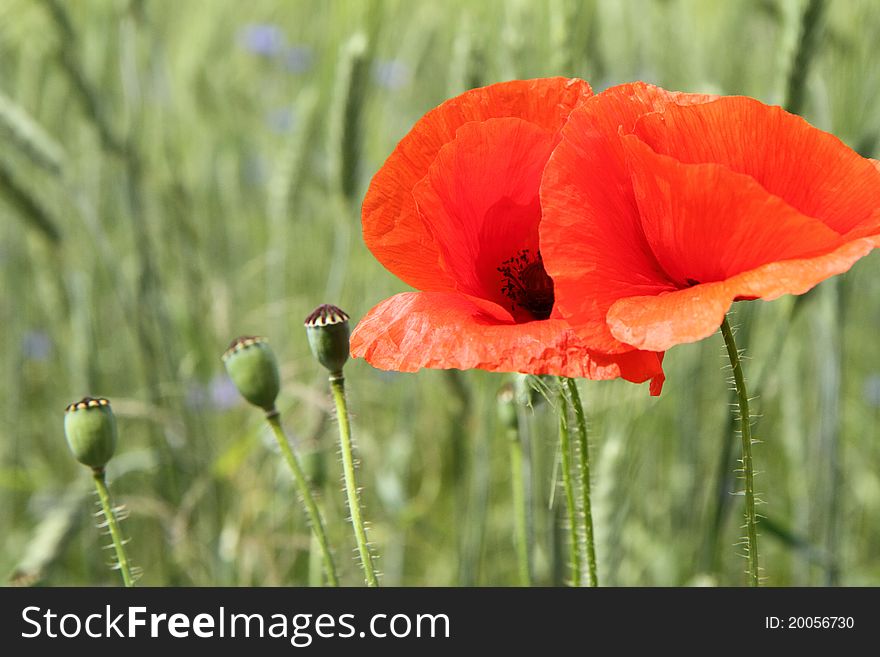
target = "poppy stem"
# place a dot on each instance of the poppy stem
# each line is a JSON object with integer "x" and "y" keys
{"x": 337, "y": 386}
{"x": 520, "y": 519}
{"x": 305, "y": 495}
{"x": 568, "y": 488}
{"x": 113, "y": 526}
{"x": 584, "y": 473}
{"x": 746, "y": 437}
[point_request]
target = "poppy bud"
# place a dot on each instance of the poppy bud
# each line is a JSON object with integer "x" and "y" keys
{"x": 253, "y": 369}
{"x": 507, "y": 412}
{"x": 328, "y": 331}
{"x": 90, "y": 429}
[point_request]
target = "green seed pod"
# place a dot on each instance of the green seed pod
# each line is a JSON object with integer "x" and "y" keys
{"x": 507, "y": 407}
{"x": 251, "y": 365}
{"x": 90, "y": 429}
{"x": 328, "y": 332}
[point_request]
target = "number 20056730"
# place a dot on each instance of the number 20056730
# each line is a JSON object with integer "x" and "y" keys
{"x": 809, "y": 622}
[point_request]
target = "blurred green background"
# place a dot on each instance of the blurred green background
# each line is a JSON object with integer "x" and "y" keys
{"x": 174, "y": 174}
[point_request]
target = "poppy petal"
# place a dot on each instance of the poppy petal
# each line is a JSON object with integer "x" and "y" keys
{"x": 481, "y": 195}
{"x": 808, "y": 168}
{"x": 707, "y": 223}
{"x": 661, "y": 321}
{"x": 592, "y": 241}
{"x": 392, "y": 228}
{"x": 799, "y": 275}
{"x": 445, "y": 330}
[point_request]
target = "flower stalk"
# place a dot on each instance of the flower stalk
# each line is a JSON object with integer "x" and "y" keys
{"x": 319, "y": 536}
{"x": 583, "y": 455}
{"x": 337, "y": 387}
{"x": 574, "y": 554}
{"x": 748, "y": 474}
{"x": 507, "y": 412}
{"x": 517, "y": 479}
{"x": 113, "y": 526}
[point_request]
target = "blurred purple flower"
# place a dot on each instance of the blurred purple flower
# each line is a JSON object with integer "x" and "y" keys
{"x": 196, "y": 397}
{"x": 224, "y": 394}
{"x": 281, "y": 119}
{"x": 298, "y": 59}
{"x": 220, "y": 394}
{"x": 262, "y": 39}
{"x": 871, "y": 390}
{"x": 36, "y": 345}
{"x": 391, "y": 74}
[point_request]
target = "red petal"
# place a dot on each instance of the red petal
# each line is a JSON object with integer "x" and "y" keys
{"x": 392, "y": 228}
{"x": 811, "y": 170}
{"x": 480, "y": 200}
{"x": 706, "y": 223}
{"x": 661, "y": 321}
{"x": 445, "y": 330}
{"x": 591, "y": 236}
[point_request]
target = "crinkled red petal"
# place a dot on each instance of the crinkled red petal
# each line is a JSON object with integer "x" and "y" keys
{"x": 445, "y": 330}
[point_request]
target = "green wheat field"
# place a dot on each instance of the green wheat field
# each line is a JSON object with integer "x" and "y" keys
{"x": 176, "y": 174}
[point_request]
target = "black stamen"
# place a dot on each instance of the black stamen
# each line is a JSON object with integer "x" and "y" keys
{"x": 527, "y": 284}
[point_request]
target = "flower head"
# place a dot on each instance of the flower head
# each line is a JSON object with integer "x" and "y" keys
{"x": 250, "y": 363}
{"x": 328, "y": 333}
{"x": 454, "y": 212}
{"x": 90, "y": 429}
{"x": 661, "y": 209}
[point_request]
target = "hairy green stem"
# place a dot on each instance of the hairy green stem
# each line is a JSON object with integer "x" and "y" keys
{"x": 113, "y": 526}
{"x": 337, "y": 386}
{"x": 315, "y": 574}
{"x": 568, "y": 488}
{"x": 584, "y": 473}
{"x": 520, "y": 515}
{"x": 746, "y": 437}
{"x": 305, "y": 494}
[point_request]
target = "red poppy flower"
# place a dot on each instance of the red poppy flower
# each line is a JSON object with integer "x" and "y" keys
{"x": 454, "y": 212}
{"x": 662, "y": 209}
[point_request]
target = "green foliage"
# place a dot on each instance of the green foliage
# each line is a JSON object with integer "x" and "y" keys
{"x": 175, "y": 174}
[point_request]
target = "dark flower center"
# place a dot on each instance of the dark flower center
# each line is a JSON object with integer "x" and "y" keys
{"x": 527, "y": 284}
